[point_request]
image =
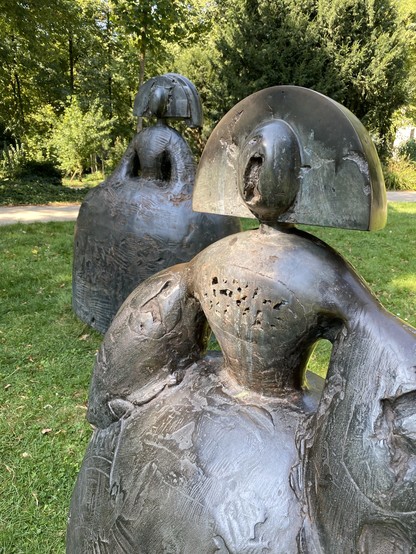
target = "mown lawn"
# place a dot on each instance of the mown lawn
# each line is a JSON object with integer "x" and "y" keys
{"x": 46, "y": 357}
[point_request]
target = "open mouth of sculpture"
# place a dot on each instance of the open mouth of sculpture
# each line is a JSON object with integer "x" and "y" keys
{"x": 251, "y": 193}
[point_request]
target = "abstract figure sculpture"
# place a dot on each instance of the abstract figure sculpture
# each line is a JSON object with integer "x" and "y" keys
{"x": 236, "y": 452}
{"x": 140, "y": 220}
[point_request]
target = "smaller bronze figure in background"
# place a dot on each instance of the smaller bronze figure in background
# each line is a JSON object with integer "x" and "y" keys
{"x": 140, "y": 220}
{"x": 243, "y": 452}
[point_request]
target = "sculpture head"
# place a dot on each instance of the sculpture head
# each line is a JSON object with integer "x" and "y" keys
{"x": 169, "y": 97}
{"x": 332, "y": 173}
{"x": 269, "y": 170}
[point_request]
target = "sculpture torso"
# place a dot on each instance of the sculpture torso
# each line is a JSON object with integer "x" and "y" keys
{"x": 217, "y": 466}
{"x": 137, "y": 223}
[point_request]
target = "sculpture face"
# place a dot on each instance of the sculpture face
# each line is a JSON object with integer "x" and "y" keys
{"x": 269, "y": 166}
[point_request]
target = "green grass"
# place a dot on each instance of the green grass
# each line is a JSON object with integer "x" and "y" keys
{"x": 46, "y": 357}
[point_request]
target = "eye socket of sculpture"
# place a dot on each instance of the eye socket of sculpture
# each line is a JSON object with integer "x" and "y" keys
{"x": 270, "y": 163}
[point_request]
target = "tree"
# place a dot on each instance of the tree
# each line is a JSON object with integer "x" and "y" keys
{"x": 148, "y": 25}
{"x": 350, "y": 50}
{"x": 367, "y": 47}
{"x": 41, "y": 44}
{"x": 271, "y": 43}
{"x": 407, "y": 14}
{"x": 80, "y": 137}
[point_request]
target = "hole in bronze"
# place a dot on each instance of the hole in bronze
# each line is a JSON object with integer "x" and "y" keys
{"x": 165, "y": 167}
{"x": 251, "y": 177}
{"x": 319, "y": 361}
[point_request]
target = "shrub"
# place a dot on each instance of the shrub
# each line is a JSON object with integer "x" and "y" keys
{"x": 408, "y": 150}
{"x": 115, "y": 154}
{"x": 12, "y": 159}
{"x": 45, "y": 170}
{"x": 80, "y": 137}
{"x": 400, "y": 174}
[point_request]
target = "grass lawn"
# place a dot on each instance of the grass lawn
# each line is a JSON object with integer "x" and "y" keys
{"x": 46, "y": 357}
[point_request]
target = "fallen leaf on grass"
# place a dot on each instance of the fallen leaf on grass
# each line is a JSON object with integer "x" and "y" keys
{"x": 84, "y": 337}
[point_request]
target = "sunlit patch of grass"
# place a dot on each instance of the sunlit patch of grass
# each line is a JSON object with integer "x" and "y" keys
{"x": 406, "y": 282}
{"x": 91, "y": 180}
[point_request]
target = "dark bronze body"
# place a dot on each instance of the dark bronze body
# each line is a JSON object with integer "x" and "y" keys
{"x": 140, "y": 220}
{"x": 238, "y": 452}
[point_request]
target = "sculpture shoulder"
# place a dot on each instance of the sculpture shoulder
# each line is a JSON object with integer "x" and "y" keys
{"x": 275, "y": 255}
{"x": 157, "y": 333}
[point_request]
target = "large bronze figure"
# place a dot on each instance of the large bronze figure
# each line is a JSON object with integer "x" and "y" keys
{"x": 237, "y": 452}
{"x": 140, "y": 220}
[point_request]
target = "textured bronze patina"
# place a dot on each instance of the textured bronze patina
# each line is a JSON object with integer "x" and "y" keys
{"x": 244, "y": 452}
{"x": 140, "y": 220}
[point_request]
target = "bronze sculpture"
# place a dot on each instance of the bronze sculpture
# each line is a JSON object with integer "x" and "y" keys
{"x": 140, "y": 220}
{"x": 237, "y": 452}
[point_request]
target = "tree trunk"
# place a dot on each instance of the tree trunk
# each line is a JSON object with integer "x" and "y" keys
{"x": 141, "y": 79}
{"x": 17, "y": 88}
{"x": 71, "y": 62}
{"x": 109, "y": 58}
{"x": 18, "y": 94}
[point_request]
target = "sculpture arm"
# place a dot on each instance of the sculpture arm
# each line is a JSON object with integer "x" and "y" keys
{"x": 159, "y": 331}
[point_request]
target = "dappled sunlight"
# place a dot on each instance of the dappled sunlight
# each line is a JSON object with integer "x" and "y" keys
{"x": 406, "y": 282}
{"x": 403, "y": 207}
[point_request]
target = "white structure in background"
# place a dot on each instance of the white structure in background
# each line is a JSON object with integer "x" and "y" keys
{"x": 403, "y": 134}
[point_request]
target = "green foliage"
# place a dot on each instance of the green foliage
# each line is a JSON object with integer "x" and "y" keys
{"x": 400, "y": 174}
{"x": 351, "y": 50}
{"x": 115, "y": 154}
{"x": 38, "y": 134}
{"x": 11, "y": 160}
{"x": 408, "y": 150}
{"x": 80, "y": 137}
{"x": 368, "y": 48}
{"x": 407, "y": 14}
{"x": 37, "y": 190}
{"x": 283, "y": 48}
